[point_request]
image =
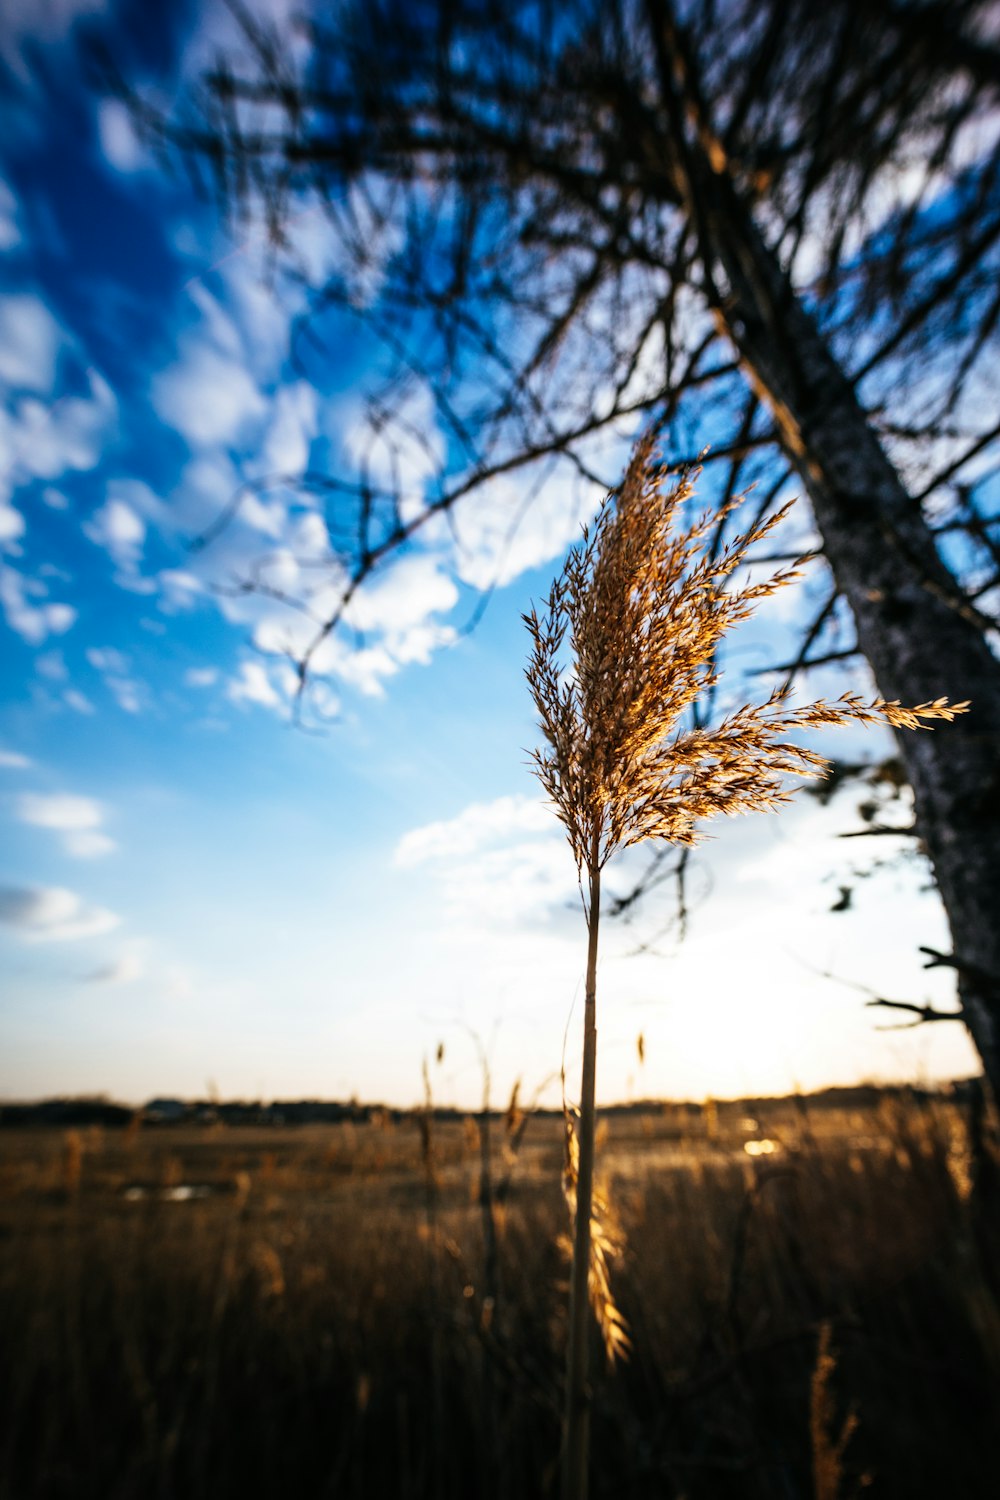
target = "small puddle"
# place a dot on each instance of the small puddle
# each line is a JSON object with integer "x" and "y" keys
{"x": 184, "y": 1192}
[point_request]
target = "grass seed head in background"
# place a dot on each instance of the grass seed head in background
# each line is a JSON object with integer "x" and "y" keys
{"x": 645, "y": 607}
{"x": 628, "y": 645}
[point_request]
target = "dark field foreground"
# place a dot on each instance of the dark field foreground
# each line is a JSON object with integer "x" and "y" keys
{"x": 230, "y": 1312}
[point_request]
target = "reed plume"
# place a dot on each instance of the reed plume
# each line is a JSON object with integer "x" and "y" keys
{"x": 627, "y": 645}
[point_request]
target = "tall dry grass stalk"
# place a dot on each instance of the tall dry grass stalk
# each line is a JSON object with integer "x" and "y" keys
{"x": 828, "y": 1445}
{"x": 627, "y": 645}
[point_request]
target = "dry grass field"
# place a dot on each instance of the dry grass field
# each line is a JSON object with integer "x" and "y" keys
{"x": 356, "y": 1310}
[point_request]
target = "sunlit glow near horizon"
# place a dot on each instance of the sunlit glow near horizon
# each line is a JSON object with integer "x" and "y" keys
{"x": 198, "y": 896}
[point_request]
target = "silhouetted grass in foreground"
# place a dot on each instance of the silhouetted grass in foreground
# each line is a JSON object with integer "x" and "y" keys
{"x": 306, "y": 1322}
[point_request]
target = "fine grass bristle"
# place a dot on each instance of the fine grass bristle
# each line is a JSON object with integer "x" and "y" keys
{"x": 643, "y": 606}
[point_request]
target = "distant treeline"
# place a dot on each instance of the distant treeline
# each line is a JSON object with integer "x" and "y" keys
{"x": 99, "y": 1110}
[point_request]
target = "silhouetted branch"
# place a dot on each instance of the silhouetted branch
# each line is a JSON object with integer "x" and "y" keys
{"x": 921, "y": 1013}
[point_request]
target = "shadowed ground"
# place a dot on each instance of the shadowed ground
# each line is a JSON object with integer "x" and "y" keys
{"x": 221, "y": 1311}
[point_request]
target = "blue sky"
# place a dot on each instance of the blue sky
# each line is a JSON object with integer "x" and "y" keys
{"x": 192, "y": 890}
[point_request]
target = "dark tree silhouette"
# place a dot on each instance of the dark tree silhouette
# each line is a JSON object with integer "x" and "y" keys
{"x": 767, "y": 224}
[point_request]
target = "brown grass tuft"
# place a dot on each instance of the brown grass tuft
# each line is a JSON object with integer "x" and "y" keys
{"x": 607, "y": 1245}
{"x": 827, "y": 1445}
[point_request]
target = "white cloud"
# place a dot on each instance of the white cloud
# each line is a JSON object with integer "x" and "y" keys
{"x": 78, "y": 702}
{"x": 78, "y": 819}
{"x": 403, "y": 597}
{"x": 52, "y": 664}
{"x": 10, "y": 229}
{"x": 116, "y": 527}
{"x": 114, "y": 666}
{"x": 322, "y": 699}
{"x": 11, "y": 527}
{"x": 47, "y": 22}
{"x": 397, "y": 609}
{"x": 395, "y": 612}
{"x": 12, "y": 760}
{"x": 125, "y": 969}
{"x": 208, "y": 397}
{"x": 310, "y": 537}
{"x": 292, "y": 428}
{"x": 59, "y": 811}
{"x": 216, "y": 326}
{"x": 500, "y": 533}
{"x": 497, "y": 865}
{"x": 108, "y": 659}
{"x": 400, "y": 455}
{"x": 179, "y": 589}
{"x": 420, "y": 641}
{"x": 201, "y": 677}
{"x": 253, "y": 685}
{"x": 269, "y": 517}
{"x": 143, "y": 501}
{"x": 263, "y": 313}
{"x": 127, "y": 693}
{"x": 119, "y": 142}
{"x": 89, "y": 845}
{"x": 29, "y": 343}
{"x": 52, "y": 914}
{"x": 207, "y": 484}
{"x": 33, "y": 622}
{"x": 476, "y": 827}
{"x": 43, "y": 441}
{"x": 364, "y": 667}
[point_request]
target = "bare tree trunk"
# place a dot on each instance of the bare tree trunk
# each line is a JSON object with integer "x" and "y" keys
{"x": 920, "y": 636}
{"x": 576, "y": 1429}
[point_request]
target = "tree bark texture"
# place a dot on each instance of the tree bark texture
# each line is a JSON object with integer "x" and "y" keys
{"x": 920, "y": 636}
{"x": 576, "y": 1422}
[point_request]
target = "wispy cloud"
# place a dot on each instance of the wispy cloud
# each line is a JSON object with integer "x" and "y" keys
{"x": 78, "y": 819}
{"x": 291, "y": 430}
{"x": 254, "y": 684}
{"x": 116, "y": 671}
{"x": 208, "y": 397}
{"x": 78, "y": 702}
{"x": 479, "y": 826}
{"x": 33, "y": 622}
{"x": 396, "y": 616}
{"x": 10, "y": 228}
{"x": 120, "y": 144}
{"x": 51, "y": 914}
{"x": 498, "y": 863}
{"x": 116, "y": 527}
{"x": 29, "y": 344}
{"x": 12, "y": 527}
{"x": 125, "y": 969}
{"x": 52, "y": 665}
{"x": 504, "y": 530}
{"x": 24, "y": 27}
{"x": 42, "y": 439}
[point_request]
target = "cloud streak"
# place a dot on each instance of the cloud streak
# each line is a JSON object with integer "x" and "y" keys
{"x": 78, "y": 819}
{"x": 125, "y": 969}
{"x": 52, "y": 914}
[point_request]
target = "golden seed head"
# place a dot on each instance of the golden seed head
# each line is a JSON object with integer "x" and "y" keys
{"x": 642, "y": 606}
